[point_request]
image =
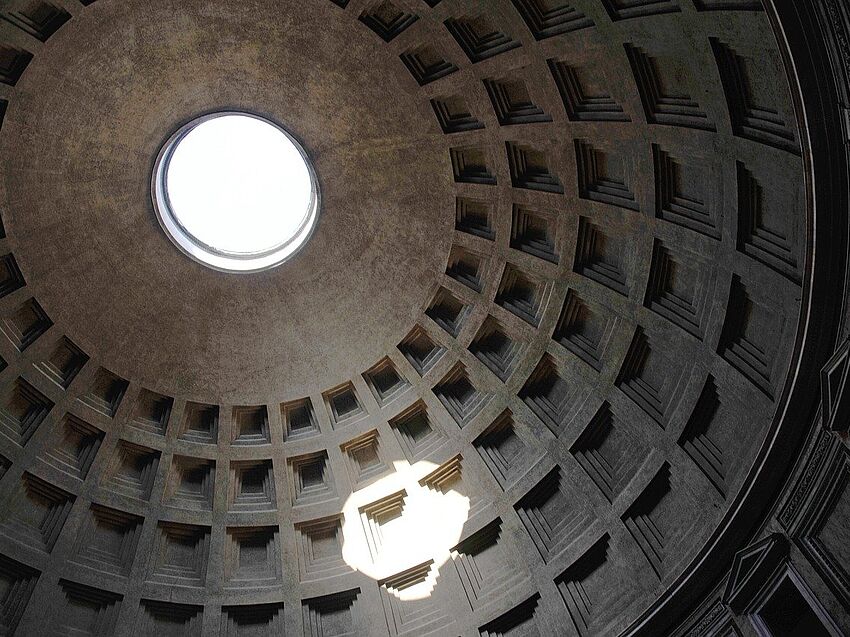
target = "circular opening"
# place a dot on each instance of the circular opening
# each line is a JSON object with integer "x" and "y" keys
{"x": 235, "y": 192}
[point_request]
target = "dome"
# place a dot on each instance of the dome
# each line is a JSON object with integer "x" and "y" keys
{"x": 540, "y": 329}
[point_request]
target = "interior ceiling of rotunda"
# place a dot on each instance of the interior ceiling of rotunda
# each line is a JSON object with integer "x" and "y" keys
{"x": 514, "y": 380}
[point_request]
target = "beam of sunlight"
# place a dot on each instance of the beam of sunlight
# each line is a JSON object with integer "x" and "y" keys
{"x": 398, "y": 525}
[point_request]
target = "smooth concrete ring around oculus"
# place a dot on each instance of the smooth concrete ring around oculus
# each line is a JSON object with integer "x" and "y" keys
{"x": 357, "y": 286}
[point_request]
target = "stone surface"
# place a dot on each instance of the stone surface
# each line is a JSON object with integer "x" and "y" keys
{"x": 561, "y": 261}
{"x": 120, "y": 79}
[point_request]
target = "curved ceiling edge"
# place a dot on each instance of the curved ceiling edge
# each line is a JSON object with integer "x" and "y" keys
{"x": 816, "y": 88}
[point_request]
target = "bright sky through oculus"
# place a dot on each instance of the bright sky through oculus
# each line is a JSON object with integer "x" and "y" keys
{"x": 236, "y": 192}
{"x": 238, "y": 184}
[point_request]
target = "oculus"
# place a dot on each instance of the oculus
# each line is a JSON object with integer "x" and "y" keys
{"x": 235, "y": 192}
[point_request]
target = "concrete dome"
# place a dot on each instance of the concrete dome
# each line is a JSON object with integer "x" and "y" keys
{"x": 578, "y": 266}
